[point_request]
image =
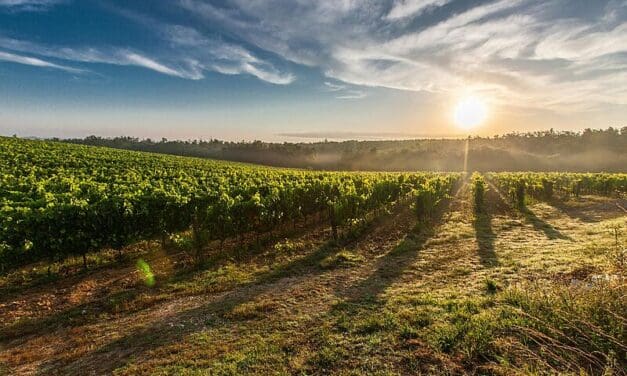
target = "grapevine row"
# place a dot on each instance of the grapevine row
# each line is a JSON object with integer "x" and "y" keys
{"x": 544, "y": 186}
{"x": 58, "y": 200}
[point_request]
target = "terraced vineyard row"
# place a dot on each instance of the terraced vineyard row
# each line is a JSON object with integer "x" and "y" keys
{"x": 58, "y": 200}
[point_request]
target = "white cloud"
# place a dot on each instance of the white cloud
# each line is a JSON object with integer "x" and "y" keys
{"x": 198, "y": 56}
{"x": 334, "y": 87}
{"x": 532, "y": 52}
{"x": 26, "y": 60}
{"x": 223, "y": 57}
{"x": 407, "y": 8}
{"x": 343, "y": 91}
{"x": 528, "y": 52}
{"x": 113, "y": 56}
{"x": 188, "y": 56}
{"x": 143, "y": 61}
{"x": 577, "y": 42}
{"x": 352, "y": 94}
{"x": 28, "y": 5}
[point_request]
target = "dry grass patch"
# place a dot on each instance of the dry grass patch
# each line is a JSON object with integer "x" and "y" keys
{"x": 252, "y": 310}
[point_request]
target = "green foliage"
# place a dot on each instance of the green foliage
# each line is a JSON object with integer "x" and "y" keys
{"x": 287, "y": 247}
{"x": 59, "y": 200}
{"x": 343, "y": 258}
{"x": 547, "y": 188}
{"x": 617, "y": 254}
{"x": 519, "y": 193}
{"x": 479, "y": 188}
{"x": 428, "y": 196}
{"x": 491, "y": 286}
{"x": 530, "y": 151}
{"x": 547, "y": 328}
{"x": 182, "y": 242}
{"x": 544, "y": 185}
{"x": 584, "y": 326}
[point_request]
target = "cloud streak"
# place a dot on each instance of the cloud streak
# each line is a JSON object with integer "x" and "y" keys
{"x": 526, "y": 52}
{"x": 193, "y": 55}
{"x": 26, "y": 60}
{"x": 113, "y": 56}
{"x": 28, "y": 5}
{"x": 407, "y": 8}
{"x": 530, "y": 53}
{"x": 216, "y": 55}
{"x": 142, "y": 61}
{"x": 343, "y": 91}
{"x": 184, "y": 52}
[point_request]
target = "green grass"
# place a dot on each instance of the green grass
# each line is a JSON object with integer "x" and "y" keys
{"x": 343, "y": 258}
{"x": 503, "y": 297}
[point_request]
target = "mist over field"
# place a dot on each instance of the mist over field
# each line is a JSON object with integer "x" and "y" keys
{"x": 590, "y": 150}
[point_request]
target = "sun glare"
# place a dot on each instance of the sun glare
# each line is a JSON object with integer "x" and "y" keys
{"x": 470, "y": 112}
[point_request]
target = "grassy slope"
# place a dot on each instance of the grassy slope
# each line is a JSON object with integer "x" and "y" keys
{"x": 393, "y": 299}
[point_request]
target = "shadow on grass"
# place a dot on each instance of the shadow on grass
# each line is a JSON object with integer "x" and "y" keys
{"x": 392, "y": 265}
{"x": 70, "y": 271}
{"x": 572, "y": 212}
{"x": 89, "y": 312}
{"x": 485, "y": 238}
{"x": 538, "y": 223}
{"x": 590, "y": 209}
{"x": 76, "y": 315}
{"x": 173, "y": 328}
{"x": 105, "y": 302}
{"x": 541, "y": 225}
{"x": 361, "y": 311}
{"x": 37, "y": 277}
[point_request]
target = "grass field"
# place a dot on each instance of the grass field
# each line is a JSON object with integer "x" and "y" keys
{"x": 539, "y": 291}
{"x": 313, "y": 188}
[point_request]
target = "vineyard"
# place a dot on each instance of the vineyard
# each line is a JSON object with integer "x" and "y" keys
{"x": 546, "y": 186}
{"x": 58, "y": 200}
{"x": 123, "y": 262}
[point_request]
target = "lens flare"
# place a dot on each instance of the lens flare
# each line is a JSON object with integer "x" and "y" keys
{"x": 147, "y": 275}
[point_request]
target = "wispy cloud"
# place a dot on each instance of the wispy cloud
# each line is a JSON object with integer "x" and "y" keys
{"x": 185, "y": 53}
{"x": 334, "y": 87}
{"x": 535, "y": 53}
{"x": 206, "y": 52}
{"x": 524, "y": 52}
{"x": 217, "y": 55}
{"x": 113, "y": 56}
{"x": 412, "y": 8}
{"x": 28, "y": 5}
{"x": 146, "y": 62}
{"x": 26, "y": 60}
{"x": 343, "y": 91}
{"x": 352, "y": 94}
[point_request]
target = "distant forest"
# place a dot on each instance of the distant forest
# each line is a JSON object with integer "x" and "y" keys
{"x": 589, "y": 150}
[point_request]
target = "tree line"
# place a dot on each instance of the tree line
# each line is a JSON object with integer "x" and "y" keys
{"x": 589, "y": 150}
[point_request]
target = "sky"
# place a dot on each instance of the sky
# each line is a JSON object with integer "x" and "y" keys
{"x": 298, "y": 70}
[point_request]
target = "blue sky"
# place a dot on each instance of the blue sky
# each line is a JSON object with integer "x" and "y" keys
{"x": 291, "y": 69}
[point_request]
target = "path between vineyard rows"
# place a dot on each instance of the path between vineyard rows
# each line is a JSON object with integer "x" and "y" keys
{"x": 300, "y": 305}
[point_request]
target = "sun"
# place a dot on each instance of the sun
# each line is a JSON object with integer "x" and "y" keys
{"x": 470, "y": 112}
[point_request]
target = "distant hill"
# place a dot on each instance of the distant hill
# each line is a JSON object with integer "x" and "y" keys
{"x": 589, "y": 150}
